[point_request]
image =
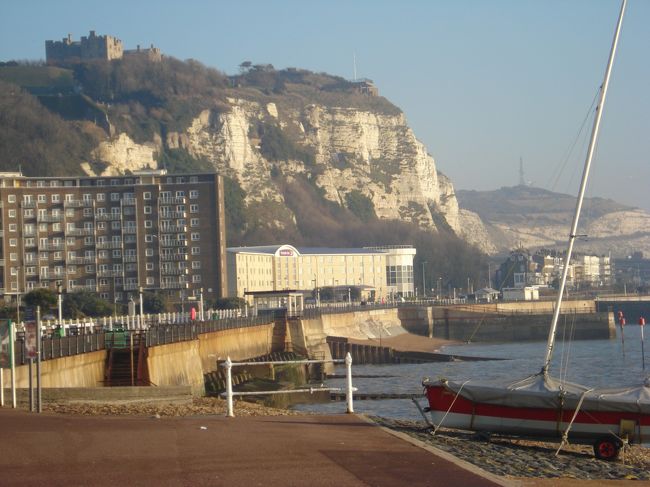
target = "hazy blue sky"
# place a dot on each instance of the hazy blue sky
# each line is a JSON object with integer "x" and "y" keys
{"x": 482, "y": 83}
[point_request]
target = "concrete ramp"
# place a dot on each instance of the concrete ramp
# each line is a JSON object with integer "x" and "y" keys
{"x": 371, "y": 324}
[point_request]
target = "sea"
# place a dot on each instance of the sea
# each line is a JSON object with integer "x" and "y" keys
{"x": 616, "y": 362}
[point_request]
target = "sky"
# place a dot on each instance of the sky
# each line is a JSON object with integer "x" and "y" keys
{"x": 483, "y": 83}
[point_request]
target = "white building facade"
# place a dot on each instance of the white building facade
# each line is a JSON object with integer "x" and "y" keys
{"x": 387, "y": 271}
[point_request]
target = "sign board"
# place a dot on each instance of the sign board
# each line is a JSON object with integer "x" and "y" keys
{"x": 286, "y": 253}
{"x": 31, "y": 343}
{"x": 5, "y": 344}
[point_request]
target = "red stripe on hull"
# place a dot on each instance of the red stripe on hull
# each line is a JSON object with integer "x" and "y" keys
{"x": 441, "y": 399}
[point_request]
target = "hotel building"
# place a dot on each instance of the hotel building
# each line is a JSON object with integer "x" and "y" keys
{"x": 386, "y": 271}
{"x": 113, "y": 235}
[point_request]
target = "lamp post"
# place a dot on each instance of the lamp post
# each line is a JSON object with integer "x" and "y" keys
{"x": 201, "y": 304}
{"x": 424, "y": 287}
{"x": 349, "y": 297}
{"x": 141, "y": 307}
{"x": 59, "y": 291}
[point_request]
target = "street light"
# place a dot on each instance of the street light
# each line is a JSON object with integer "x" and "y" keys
{"x": 141, "y": 307}
{"x": 424, "y": 287}
{"x": 59, "y": 290}
{"x": 349, "y": 297}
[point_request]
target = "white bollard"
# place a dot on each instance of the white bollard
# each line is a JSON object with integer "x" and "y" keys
{"x": 348, "y": 380}
{"x": 228, "y": 365}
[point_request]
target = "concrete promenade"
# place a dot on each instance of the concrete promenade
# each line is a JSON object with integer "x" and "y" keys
{"x": 310, "y": 450}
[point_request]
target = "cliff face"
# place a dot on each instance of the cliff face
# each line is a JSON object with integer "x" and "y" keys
{"x": 354, "y": 150}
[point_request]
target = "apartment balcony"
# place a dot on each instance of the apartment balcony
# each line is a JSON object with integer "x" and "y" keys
{"x": 130, "y": 286}
{"x": 50, "y": 218}
{"x": 172, "y": 200}
{"x": 80, "y": 232}
{"x": 84, "y": 287}
{"x": 173, "y": 257}
{"x": 78, "y": 203}
{"x": 81, "y": 260}
{"x": 173, "y": 214}
{"x": 173, "y": 243}
{"x": 108, "y": 245}
{"x": 29, "y": 233}
{"x": 174, "y": 285}
{"x": 108, "y": 216}
{"x": 174, "y": 229}
{"x": 28, "y": 204}
{"x": 51, "y": 247}
{"x": 130, "y": 258}
{"x": 130, "y": 230}
{"x": 174, "y": 272}
{"x": 109, "y": 273}
{"x": 128, "y": 202}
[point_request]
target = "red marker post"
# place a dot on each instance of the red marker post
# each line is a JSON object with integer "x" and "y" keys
{"x": 642, "y": 325}
{"x": 621, "y": 321}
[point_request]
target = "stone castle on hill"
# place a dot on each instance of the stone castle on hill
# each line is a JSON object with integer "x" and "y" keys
{"x": 93, "y": 47}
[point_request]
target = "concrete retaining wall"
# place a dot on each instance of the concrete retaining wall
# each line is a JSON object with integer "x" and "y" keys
{"x": 238, "y": 344}
{"x": 176, "y": 364}
{"x": 84, "y": 370}
{"x": 179, "y": 394}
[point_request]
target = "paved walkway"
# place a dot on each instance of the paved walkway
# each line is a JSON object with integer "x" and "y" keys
{"x": 314, "y": 451}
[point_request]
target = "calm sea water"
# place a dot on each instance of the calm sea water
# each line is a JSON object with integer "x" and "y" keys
{"x": 595, "y": 363}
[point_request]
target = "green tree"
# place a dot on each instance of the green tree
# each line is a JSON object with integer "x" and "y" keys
{"x": 360, "y": 205}
{"x": 153, "y": 303}
{"x": 228, "y": 303}
{"x": 84, "y": 303}
{"x": 45, "y": 298}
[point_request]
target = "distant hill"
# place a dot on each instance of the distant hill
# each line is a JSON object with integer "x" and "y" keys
{"x": 536, "y": 218}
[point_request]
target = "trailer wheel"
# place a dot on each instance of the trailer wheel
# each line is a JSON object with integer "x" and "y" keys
{"x": 607, "y": 448}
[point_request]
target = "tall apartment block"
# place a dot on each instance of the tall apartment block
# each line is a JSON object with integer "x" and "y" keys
{"x": 113, "y": 235}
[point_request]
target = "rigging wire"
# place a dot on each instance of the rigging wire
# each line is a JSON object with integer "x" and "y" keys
{"x": 554, "y": 179}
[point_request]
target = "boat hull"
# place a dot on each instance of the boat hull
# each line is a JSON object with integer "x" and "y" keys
{"x": 452, "y": 410}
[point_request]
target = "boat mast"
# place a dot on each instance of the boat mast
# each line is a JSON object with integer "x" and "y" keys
{"x": 581, "y": 194}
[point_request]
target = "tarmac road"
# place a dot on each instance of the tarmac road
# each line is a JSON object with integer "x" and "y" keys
{"x": 311, "y": 450}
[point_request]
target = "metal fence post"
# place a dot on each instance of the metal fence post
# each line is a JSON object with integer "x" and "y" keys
{"x": 348, "y": 380}
{"x": 228, "y": 365}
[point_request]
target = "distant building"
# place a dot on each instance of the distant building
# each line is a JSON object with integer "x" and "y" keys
{"x": 93, "y": 47}
{"x": 528, "y": 293}
{"x": 381, "y": 271}
{"x": 365, "y": 86}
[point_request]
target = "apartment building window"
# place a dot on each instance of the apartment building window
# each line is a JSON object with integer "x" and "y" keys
{"x": 58, "y": 255}
{"x": 147, "y": 210}
{"x": 194, "y": 194}
{"x": 29, "y": 213}
{"x": 30, "y": 270}
{"x": 115, "y": 182}
{"x": 149, "y": 266}
{"x": 103, "y": 282}
{"x": 196, "y": 278}
{"x": 196, "y": 250}
{"x": 41, "y": 198}
{"x": 148, "y": 224}
{"x": 115, "y": 211}
{"x": 88, "y": 212}
{"x": 194, "y": 179}
{"x": 72, "y": 283}
{"x": 146, "y": 195}
{"x": 131, "y": 267}
{"x": 12, "y": 213}
{"x": 29, "y": 257}
{"x": 150, "y": 281}
{"x": 90, "y": 269}
{"x": 14, "y": 271}
{"x": 148, "y": 252}
{"x": 101, "y": 197}
{"x": 13, "y": 227}
{"x": 56, "y": 198}
{"x": 117, "y": 253}
{"x": 129, "y": 239}
{"x": 88, "y": 240}
{"x": 180, "y": 194}
{"x": 194, "y": 222}
{"x": 69, "y": 197}
{"x": 88, "y": 226}
{"x": 69, "y": 212}
{"x": 56, "y": 227}
{"x": 196, "y": 264}
{"x": 11, "y": 198}
{"x": 87, "y": 197}
{"x": 194, "y": 208}
{"x": 103, "y": 295}
{"x": 195, "y": 236}
{"x": 42, "y": 227}
{"x": 148, "y": 238}
{"x": 102, "y": 254}
{"x": 58, "y": 270}
{"x": 117, "y": 267}
{"x": 101, "y": 225}
{"x": 115, "y": 225}
{"x": 72, "y": 269}
{"x": 115, "y": 196}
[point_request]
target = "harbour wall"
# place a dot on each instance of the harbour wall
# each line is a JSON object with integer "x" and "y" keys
{"x": 185, "y": 363}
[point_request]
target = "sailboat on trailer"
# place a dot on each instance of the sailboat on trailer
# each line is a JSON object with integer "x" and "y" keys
{"x": 541, "y": 406}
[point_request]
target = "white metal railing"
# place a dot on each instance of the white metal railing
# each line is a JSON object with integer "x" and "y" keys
{"x": 229, "y": 394}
